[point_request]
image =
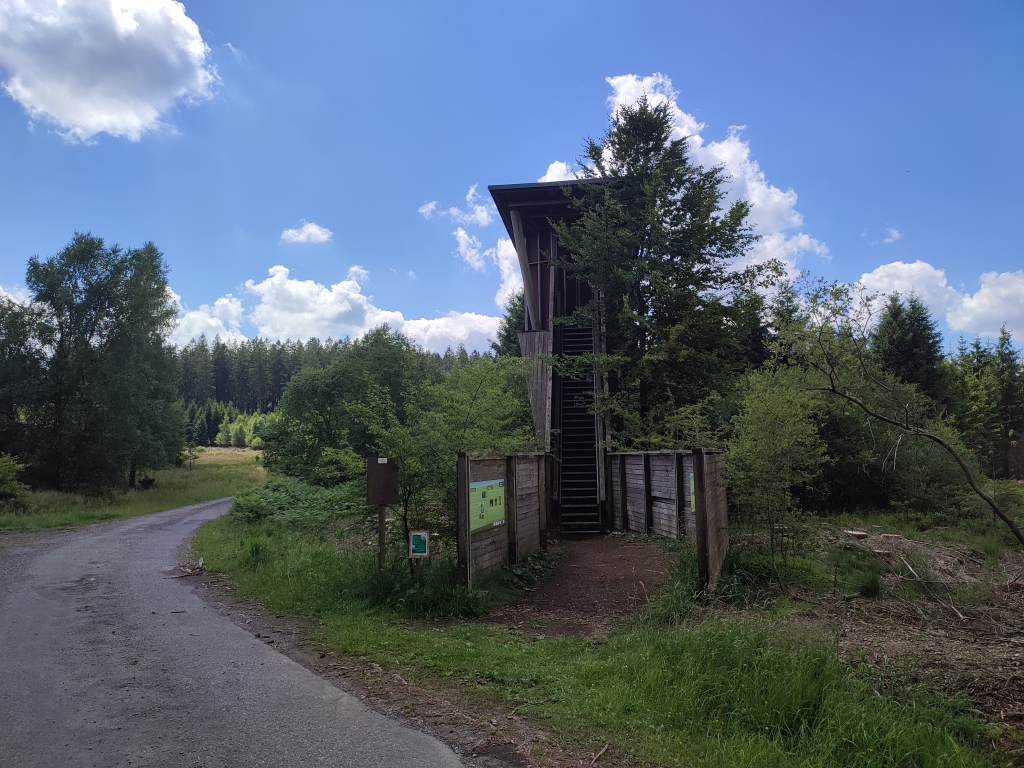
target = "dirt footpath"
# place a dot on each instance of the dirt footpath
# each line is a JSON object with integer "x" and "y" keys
{"x": 598, "y": 580}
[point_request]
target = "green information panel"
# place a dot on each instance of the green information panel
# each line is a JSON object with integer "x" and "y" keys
{"x": 419, "y": 543}
{"x": 486, "y": 504}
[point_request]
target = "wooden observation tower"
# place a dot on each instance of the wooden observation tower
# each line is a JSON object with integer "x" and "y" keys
{"x": 561, "y": 406}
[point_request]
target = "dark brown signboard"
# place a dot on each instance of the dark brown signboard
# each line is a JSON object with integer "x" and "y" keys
{"x": 381, "y": 481}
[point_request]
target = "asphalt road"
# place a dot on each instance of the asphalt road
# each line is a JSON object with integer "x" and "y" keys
{"x": 105, "y": 661}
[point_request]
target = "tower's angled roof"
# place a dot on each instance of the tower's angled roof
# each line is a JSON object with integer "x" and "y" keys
{"x": 536, "y": 202}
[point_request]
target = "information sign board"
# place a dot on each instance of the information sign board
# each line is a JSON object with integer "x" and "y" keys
{"x": 486, "y": 504}
{"x": 381, "y": 481}
{"x": 419, "y": 544}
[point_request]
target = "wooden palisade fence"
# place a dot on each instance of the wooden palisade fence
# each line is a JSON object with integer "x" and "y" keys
{"x": 678, "y": 494}
{"x": 485, "y": 550}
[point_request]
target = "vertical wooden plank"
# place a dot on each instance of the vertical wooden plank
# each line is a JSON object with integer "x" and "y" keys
{"x": 700, "y": 512}
{"x": 512, "y": 509}
{"x": 680, "y": 495}
{"x": 622, "y": 493}
{"x": 717, "y": 514}
{"x": 542, "y": 498}
{"x": 462, "y": 518}
{"x": 605, "y": 501}
{"x": 648, "y": 496}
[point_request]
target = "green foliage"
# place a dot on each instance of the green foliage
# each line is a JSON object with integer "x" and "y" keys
{"x": 295, "y": 571}
{"x": 988, "y": 395}
{"x": 97, "y": 403}
{"x": 315, "y": 428}
{"x": 855, "y": 570}
{"x": 527, "y": 574}
{"x": 468, "y": 409}
{"x": 251, "y": 373}
{"x": 242, "y": 431}
{"x": 774, "y": 449}
{"x": 906, "y": 342}
{"x": 876, "y": 427}
{"x": 658, "y": 247}
{"x": 22, "y": 363}
{"x": 13, "y": 493}
{"x": 290, "y": 501}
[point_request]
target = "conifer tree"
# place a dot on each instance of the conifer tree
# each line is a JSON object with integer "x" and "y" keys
{"x": 908, "y": 345}
{"x": 659, "y": 245}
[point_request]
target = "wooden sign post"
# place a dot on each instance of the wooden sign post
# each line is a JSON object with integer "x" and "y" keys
{"x": 382, "y": 490}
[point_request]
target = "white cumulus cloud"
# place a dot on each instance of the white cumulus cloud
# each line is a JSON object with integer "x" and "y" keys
{"x": 288, "y": 308}
{"x": 102, "y": 66}
{"x": 503, "y": 256}
{"x": 920, "y": 277}
{"x": 469, "y": 248}
{"x": 223, "y": 318}
{"x": 999, "y": 300}
{"x": 467, "y": 328}
{"x": 892, "y": 235}
{"x": 427, "y": 210}
{"x": 299, "y": 309}
{"x": 307, "y": 232}
{"x": 479, "y": 212}
{"x": 558, "y": 171}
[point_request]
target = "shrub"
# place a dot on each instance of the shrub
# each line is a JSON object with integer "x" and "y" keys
{"x": 13, "y": 493}
{"x": 294, "y": 502}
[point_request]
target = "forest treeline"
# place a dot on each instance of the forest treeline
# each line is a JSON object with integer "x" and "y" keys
{"x": 226, "y": 388}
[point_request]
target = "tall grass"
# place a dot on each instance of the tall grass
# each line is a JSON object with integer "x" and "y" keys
{"x": 304, "y": 573}
{"x": 215, "y": 474}
{"x": 663, "y": 689}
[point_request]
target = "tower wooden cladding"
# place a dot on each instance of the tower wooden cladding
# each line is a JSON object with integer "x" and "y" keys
{"x": 561, "y": 406}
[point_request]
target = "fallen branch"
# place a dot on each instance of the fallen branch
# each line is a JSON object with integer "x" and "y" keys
{"x": 603, "y": 750}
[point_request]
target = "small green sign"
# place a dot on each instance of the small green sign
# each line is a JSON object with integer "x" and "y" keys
{"x": 693, "y": 493}
{"x": 486, "y": 504}
{"x": 419, "y": 543}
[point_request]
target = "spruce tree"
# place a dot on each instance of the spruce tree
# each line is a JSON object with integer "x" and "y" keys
{"x": 660, "y": 246}
{"x": 907, "y": 344}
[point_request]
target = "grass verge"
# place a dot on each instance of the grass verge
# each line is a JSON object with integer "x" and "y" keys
{"x": 664, "y": 689}
{"x": 216, "y": 474}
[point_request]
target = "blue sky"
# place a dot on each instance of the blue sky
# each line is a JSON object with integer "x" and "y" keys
{"x": 284, "y": 157}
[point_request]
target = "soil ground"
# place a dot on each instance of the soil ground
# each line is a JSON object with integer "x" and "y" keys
{"x": 965, "y": 632}
{"x": 599, "y": 580}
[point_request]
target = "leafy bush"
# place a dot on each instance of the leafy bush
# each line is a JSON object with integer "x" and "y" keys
{"x": 292, "y": 501}
{"x": 13, "y": 493}
{"x": 775, "y": 449}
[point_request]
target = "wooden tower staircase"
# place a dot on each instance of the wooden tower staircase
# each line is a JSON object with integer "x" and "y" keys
{"x": 579, "y": 507}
